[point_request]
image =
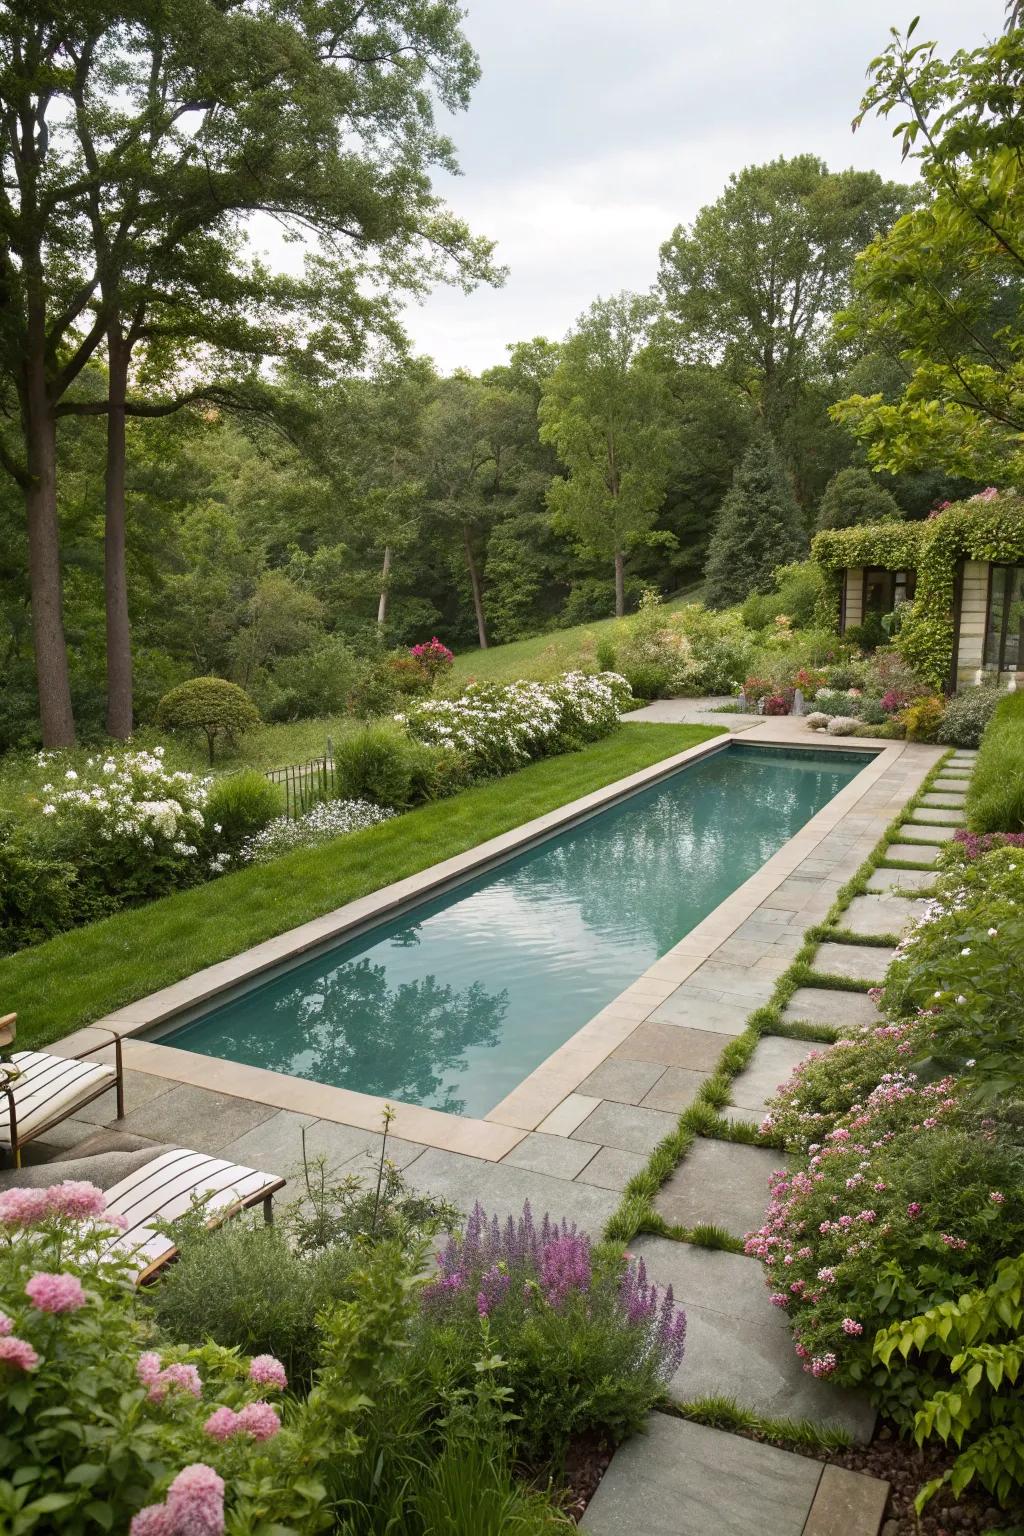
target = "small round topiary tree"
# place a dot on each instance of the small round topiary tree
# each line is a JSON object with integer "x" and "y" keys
{"x": 211, "y": 705}
{"x": 853, "y": 497}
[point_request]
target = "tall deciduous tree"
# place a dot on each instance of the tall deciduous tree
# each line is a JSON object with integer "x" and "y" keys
{"x": 942, "y": 292}
{"x": 607, "y": 411}
{"x": 136, "y": 142}
{"x": 759, "y": 527}
{"x": 753, "y": 284}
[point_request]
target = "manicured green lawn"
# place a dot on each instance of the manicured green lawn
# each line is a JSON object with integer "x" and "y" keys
{"x": 78, "y": 976}
{"x": 544, "y": 656}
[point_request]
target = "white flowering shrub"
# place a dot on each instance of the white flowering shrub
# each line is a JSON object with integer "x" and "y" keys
{"x": 129, "y": 826}
{"x": 842, "y": 725}
{"x": 501, "y": 726}
{"x": 330, "y": 819}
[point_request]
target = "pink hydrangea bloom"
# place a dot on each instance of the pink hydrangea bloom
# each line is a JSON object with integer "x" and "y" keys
{"x": 997, "y": 1198}
{"x": 267, "y": 1371}
{"x": 6, "y": 1326}
{"x": 17, "y": 1353}
{"x": 55, "y": 1293}
{"x": 76, "y": 1199}
{"x": 913, "y": 1210}
{"x": 148, "y": 1367}
{"x": 259, "y": 1420}
{"x": 852, "y": 1328}
{"x": 196, "y": 1501}
{"x": 185, "y": 1377}
{"x": 23, "y": 1207}
{"x": 154, "y": 1520}
{"x": 222, "y": 1423}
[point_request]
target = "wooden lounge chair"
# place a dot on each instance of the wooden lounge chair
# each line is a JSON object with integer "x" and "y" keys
{"x": 43, "y": 1090}
{"x": 164, "y": 1189}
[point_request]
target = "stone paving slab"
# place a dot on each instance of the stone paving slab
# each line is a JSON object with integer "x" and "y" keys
{"x": 951, "y": 799}
{"x": 847, "y": 1504}
{"x": 772, "y": 1064}
{"x": 885, "y": 880}
{"x": 913, "y": 853}
{"x": 682, "y": 1479}
{"x": 721, "y": 1182}
{"x": 502, "y": 1190}
{"x": 558, "y": 1156}
{"x": 624, "y": 1081}
{"x": 880, "y": 915}
{"x": 626, "y": 1126}
{"x": 612, "y": 1168}
{"x": 139, "y": 1088}
{"x": 688, "y": 1006}
{"x": 672, "y": 1045}
{"x": 958, "y": 778}
{"x": 933, "y": 815}
{"x": 825, "y": 1005}
{"x": 917, "y": 832}
{"x": 196, "y": 1118}
{"x": 738, "y": 1345}
{"x": 675, "y": 1090}
{"x": 854, "y": 962}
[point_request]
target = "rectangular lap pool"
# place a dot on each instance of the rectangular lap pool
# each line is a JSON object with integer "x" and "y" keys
{"x": 453, "y": 1003}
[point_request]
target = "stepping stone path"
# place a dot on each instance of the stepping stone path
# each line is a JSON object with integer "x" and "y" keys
{"x": 914, "y": 832}
{"x": 884, "y": 881}
{"x": 772, "y": 1063}
{"x": 935, "y": 815}
{"x": 682, "y": 1479}
{"x": 945, "y": 799}
{"x": 913, "y": 853}
{"x": 825, "y": 1005}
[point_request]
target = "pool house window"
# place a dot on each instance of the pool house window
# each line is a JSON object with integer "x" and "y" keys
{"x": 1004, "y": 630}
{"x": 883, "y": 589}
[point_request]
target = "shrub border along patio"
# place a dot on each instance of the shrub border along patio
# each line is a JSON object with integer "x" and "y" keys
{"x": 79, "y": 976}
{"x": 636, "y": 1212}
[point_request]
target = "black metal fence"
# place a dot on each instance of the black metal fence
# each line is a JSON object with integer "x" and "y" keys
{"x": 306, "y": 784}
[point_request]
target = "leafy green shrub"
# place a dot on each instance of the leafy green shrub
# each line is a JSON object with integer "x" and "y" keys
{"x": 649, "y": 679}
{"x": 240, "y": 804}
{"x": 607, "y": 658}
{"x": 798, "y": 591}
{"x": 853, "y": 497}
{"x": 436, "y": 771}
{"x": 995, "y": 795}
{"x": 374, "y": 763}
{"x": 978, "y": 1340}
{"x": 318, "y": 681}
{"x": 872, "y": 713}
{"x": 210, "y": 706}
{"x": 834, "y": 702}
{"x": 376, "y": 691}
{"x": 922, "y": 719}
{"x": 587, "y": 1342}
{"x": 967, "y": 715}
{"x": 869, "y": 634}
{"x": 38, "y": 892}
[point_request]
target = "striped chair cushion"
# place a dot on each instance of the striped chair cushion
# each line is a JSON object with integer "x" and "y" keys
{"x": 48, "y": 1089}
{"x": 163, "y": 1190}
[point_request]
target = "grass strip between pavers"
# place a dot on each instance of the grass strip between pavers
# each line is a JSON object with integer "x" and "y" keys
{"x": 69, "y": 980}
{"x": 636, "y": 1212}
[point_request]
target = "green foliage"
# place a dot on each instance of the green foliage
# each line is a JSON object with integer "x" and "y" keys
{"x": 241, "y": 804}
{"x": 995, "y": 794}
{"x": 758, "y": 525}
{"x": 797, "y": 596}
{"x": 37, "y": 890}
{"x": 922, "y": 719}
{"x": 854, "y": 497}
{"x": 375, "y": 763}
{"x": 209, "y": 705}
{"x": 978, "y": 1339}
{"x": 320, "y": 680}
{"x": 942, "y": 289}
{"x": 967, "y": 714}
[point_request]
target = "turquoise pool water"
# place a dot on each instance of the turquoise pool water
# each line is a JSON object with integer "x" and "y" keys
{"x": 454, "y": 1003}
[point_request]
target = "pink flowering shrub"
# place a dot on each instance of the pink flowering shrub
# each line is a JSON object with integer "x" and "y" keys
{"x": 432, "y": 657}
{"x": 75, "y": 1336}
{"x": 588, "y": 1341}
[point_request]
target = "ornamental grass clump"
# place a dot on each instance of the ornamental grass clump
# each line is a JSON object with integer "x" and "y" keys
{"x": 589, "y": 1343}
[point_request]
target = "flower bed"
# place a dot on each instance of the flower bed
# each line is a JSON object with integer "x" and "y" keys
{"x": 501, "y": 726}
{"x": 905, "y": 1196}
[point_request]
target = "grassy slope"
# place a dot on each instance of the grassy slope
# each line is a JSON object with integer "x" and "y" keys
{"x": 544, "y": 656}
{"x": 57, "y": 986}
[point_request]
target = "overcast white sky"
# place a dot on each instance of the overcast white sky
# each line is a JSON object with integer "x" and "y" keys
{"x": 598, "y": 125}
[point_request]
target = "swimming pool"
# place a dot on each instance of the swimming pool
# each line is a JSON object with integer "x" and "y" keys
{"x": 454, "y": 1002}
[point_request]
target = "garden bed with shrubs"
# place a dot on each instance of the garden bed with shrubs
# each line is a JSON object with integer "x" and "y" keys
{"x": 894, "y": 1238}
{"x": 313, "y": 1375}
{"x": 86, "y": 834}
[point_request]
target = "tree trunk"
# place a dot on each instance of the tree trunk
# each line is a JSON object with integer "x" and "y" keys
{"x": 55, "y": 713}
{"x": 474, "y": 581}
{"x": 119, "y": 638}
{"x": 620, "y": 585}
{"x": 382, "y": 603}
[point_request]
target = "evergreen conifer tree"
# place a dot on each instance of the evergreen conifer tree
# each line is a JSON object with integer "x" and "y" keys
{"x": 854, "y": 497}
{"x": 758, "y": 527}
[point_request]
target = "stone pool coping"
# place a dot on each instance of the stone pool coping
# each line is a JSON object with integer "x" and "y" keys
{"x": 546, "y": 1099}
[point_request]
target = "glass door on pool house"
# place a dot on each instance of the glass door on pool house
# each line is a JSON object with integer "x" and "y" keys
{"x": 1004, "y": 631}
